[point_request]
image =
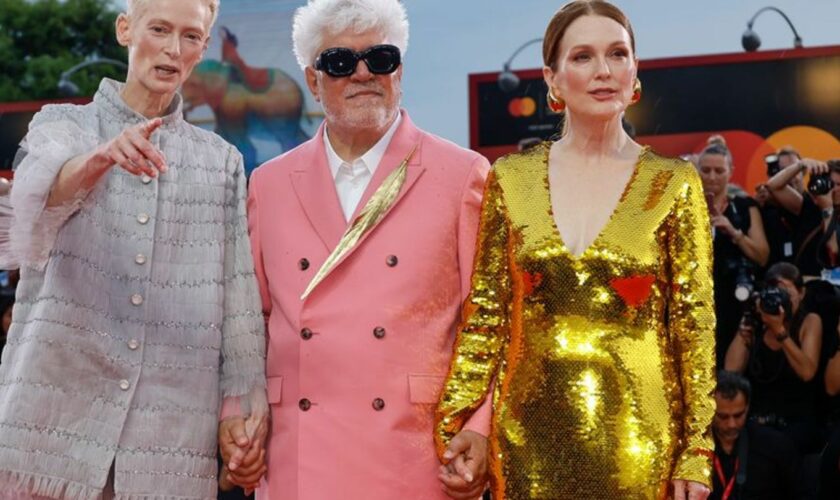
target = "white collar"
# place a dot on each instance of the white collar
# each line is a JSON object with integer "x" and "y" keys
{"x": 372, "y": 156}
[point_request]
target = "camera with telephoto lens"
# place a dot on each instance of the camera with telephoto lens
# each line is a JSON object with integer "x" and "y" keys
{"x": 773, "y": 166}
{"x": 820, "y": 184}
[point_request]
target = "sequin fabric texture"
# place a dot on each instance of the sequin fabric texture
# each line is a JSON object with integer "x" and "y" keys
{"x": 602, "y": 364}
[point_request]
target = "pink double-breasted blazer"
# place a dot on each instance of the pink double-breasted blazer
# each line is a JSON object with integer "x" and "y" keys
{"x": 354, "y": 370}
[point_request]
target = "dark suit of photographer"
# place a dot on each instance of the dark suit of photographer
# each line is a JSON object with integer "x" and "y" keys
{"x": 816, "y": 213}
{"x": 751, "y": 462}
{"x": 739, "y": 241}
{"x": 781, "y": 359}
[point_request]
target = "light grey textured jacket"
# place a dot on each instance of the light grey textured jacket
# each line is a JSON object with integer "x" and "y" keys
{"x": 136, "y": 310}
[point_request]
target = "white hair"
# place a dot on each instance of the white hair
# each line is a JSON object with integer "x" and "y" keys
{"x": 137, "y": 7}
{"x": 321, "y": 17}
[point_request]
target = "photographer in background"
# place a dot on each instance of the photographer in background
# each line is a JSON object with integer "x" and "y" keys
{"x": 779, "y": 224}
{"x": 778, "y": 348}
{"x": 739, "y": 242}
{"x": 816, "y": 238}
{"x": 751, "y": 462}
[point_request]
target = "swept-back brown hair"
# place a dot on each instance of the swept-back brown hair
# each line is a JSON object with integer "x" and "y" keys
{"x": 568, "y": 13}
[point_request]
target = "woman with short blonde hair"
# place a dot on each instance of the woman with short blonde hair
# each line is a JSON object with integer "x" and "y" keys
{"x": 138, "y": 311}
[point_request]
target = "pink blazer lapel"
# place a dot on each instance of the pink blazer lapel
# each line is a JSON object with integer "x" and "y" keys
{"x": 404, "y": 140}
{"x": 315, "y": 189}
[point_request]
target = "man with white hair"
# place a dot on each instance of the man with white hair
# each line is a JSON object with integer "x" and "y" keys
{"x": 363, "y": 239}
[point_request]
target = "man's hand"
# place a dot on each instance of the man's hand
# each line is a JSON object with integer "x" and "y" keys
{"x": 253, "y": 468}
{"x": 813, "y": 167}
{"x": 224, "y": 480}
{"x": 241, "y": 443}
{"x": 233, "y": 441}
{"x": 464, "y": 474}
{"x": 690, "y": 490}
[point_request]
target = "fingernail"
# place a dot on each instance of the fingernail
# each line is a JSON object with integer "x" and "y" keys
{"x": 448, "y": 454}
{"x": 468, "y": 477}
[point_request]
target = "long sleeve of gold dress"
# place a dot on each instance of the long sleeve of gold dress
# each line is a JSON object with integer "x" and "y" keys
{"x": 602, "y": 364}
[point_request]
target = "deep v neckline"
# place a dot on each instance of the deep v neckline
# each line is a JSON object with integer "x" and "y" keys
{"x": 627, "y": 188}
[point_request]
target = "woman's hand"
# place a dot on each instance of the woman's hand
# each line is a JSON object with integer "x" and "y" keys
{"x": 464, "y": 475}
{"x": 133, "y": 151}
{"x": 775, "y": 323}
{"x": 690, "y": 490}
{"x": 130, "y": 150}
{"x": 745, "y": 332}
{"x": 723, "y": 224}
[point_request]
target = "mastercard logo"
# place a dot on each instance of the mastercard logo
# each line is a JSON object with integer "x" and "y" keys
{"x": 522, "y": 107}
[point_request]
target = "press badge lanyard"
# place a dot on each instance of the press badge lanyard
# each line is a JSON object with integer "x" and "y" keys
{"x": 739, "y": 475}
{"x": 728, "y": 485}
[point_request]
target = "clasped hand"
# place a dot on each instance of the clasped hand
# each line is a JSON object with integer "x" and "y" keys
{"x": 463, "y": 475}
{"x": 242, "y": 446}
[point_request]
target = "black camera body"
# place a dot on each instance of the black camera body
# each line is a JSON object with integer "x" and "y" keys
{"x": 820, "y": 184}
{"x": 768, "y": 300}
{"x": 772, "y": 298}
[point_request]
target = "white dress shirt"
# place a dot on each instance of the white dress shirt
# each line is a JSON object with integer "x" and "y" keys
{"x": 351, "y": 179}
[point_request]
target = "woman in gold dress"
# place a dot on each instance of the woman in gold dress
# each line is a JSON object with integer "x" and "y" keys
{"x": 591, "y": 316}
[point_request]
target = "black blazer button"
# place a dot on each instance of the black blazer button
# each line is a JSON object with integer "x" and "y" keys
{"x": 303, "y": 264}
{"x": 304, "y": 404}
{"x": 306, "y": 334}
{"x": 379, "y": 332}
{"x": 378, "y": 404}
{"x": 391, "y": 260}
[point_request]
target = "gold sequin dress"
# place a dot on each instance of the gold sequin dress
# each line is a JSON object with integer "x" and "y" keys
{"x": 603, "y": 364}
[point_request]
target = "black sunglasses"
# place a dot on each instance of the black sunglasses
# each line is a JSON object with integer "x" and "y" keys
{"x": 340, "y": 61}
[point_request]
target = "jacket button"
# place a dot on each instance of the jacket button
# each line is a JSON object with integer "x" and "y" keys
{"x": 306, "y": 334}
{"x": 136, "y": 299}
{"x": 143, "y": 218}
{"x": 391, "y": 260}
{"x": 125, "y": 385}
{"x": 379, "y": 332}
{"x": 145, "y": 179}
{"x": 304, "y": 404}
{"x": 378, "y": 404}
{"x": 303, "y": 264}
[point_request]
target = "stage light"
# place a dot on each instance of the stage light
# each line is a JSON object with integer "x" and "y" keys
{"x": 508, "y": 81}
{"x": 750, "y": 39}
